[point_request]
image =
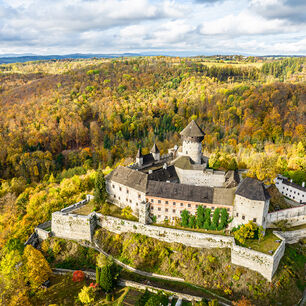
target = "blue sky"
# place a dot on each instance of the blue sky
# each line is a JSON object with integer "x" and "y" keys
{"x": 255, "y": 27}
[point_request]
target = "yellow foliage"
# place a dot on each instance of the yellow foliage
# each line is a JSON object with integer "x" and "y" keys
{"x": 37, "y": 267}
{"x": 86, "y": 295}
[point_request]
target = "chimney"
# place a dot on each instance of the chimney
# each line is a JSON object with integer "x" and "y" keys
{"x": 303, "y": 184}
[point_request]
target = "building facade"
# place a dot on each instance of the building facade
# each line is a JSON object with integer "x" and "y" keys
{"x": 165, "y": 185}
{"x": 291, "y": 190}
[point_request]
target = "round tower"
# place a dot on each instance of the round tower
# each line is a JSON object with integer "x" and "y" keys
{"x": 192, "y": 136}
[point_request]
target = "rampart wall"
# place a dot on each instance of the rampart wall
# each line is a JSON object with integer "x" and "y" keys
{"x": 188, "y": 238}
{"x": 77, "y": 227}
{"x": 295, "y": 216}
{"x": 71, "y": 226}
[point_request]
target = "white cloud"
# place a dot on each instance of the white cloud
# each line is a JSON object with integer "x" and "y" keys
{"x": 244, "y": 23}
{"x": 101, "y": 26}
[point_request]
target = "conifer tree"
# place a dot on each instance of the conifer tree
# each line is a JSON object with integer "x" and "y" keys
{"x": 100, "y": 188}
{"x": 185, "y": 218}
{"x": 106, "y": 278}
{"x": 207, "y": 218}
{"x": 200, "y": 217}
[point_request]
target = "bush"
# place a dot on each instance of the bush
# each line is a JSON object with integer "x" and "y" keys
{"x": 86, "y": 295}
{"x": 248, "y": 231}
{"x": 78, "y": 276}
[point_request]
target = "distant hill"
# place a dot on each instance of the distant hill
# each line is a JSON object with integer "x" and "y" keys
{"x": 11, "y": 58}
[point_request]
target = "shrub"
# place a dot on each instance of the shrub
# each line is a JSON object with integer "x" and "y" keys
{"x": 86, "y": 295}
{"x": 78, "y": 276}
{"x": 248, "y": 231}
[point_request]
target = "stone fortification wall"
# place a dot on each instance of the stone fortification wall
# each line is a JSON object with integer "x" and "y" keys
{"x": 71, "y": 226}
{"x": 200, "y": 177}
{"x": 295, "y": 216}
{"x": 77, "y": 227}
{"x": 189, "y": 238}
{"x": 262, "y": 263}
{"x": 75, "y": 206}
{"x": 293, "y": 236}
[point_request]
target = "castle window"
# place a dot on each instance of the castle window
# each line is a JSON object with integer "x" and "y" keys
{"x": 237, "y": 214}
{"x": 166, "y": 202}
{"x": 136, "y": 204}
{"x": 127, "y": 191}
{"x": 159, "y": 209}
{"x": 130, "y": 201}
{"x": 228, "y": 209}
{"x": 159, "y": 201}
{"x": 213, "y": 208}
{"x": 243, "y": 217}
{"x": 152, "y": 200}
{"x": 120, "y": 188}
{"x": 158, "y": 216}
{"x": 127, "y": 199}
{"x": 204, "y": 206}
{"x": 254, "y": 219}
{"x": 114, "y": 196}
{"x": 182, "y": 204}
{"x": 189, "y": 205}
{"x": 166, "y": 210}
{"x": 119, "y": 198}
{"x": 197, "y": 206}
{"x": 152, "y": 207}
{"x": 174, "y": 203}
{"x": 173, "y": 210}
{"x": 173, "y": 218}
{"x": 166, "y": 217}
{"x": 113, "y": 186}
{"x": 139, "y": 195}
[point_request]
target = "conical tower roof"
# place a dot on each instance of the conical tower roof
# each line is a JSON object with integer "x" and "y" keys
{"x": 139, "y": 154}
{"x": 192, "y": 130}
{"x": 154, "y": 149}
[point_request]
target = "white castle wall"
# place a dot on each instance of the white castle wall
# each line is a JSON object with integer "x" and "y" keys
{"x": 189, "y": 238}
{"x": 293, "y": 236}
{"x": 262, "y": 263}
{"x": 71, "y": 226}
{"x": 246, "y": 210}
{"x": 78, "y": 227}
{"x": 295, "y": 216}
{"x": 200, "y": 177}
{"x": 125, "y": 196}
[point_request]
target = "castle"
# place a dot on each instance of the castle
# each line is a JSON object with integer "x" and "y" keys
{"x": 165, "y": 185}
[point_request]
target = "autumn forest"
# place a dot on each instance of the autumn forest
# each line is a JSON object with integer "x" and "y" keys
{"x": 62, "y": 120}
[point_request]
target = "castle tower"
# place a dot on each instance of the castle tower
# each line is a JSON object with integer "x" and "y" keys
{"x": 251, "y": 203}
{"x": 139, "y": 157}
{"x": 155, "y": 152}
{"x": 192, "y": 136}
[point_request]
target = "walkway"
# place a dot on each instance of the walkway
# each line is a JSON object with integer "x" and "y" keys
{"x": 140, "y": 286}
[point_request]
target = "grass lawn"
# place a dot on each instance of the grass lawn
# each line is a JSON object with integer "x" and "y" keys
{"x": 268, "y": 243}
{"x": 113, "y": 210}
{"x": 171, "y": 285}
{"x": 200, "y": 230}
{"x": 85, "y": 209}
{"x": 63, "y": 291}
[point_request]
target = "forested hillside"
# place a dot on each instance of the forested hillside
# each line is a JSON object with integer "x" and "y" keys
{"x": 60, "y": 115}
{"x": 61, "y": 120}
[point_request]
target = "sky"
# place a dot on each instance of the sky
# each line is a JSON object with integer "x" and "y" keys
{"x": 194, "y": 27}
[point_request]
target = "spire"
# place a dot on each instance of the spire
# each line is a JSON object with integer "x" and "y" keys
{"x": 139, "y": 154}
{"x": 192, "y": 130}
{"x": 154, "y": 149}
